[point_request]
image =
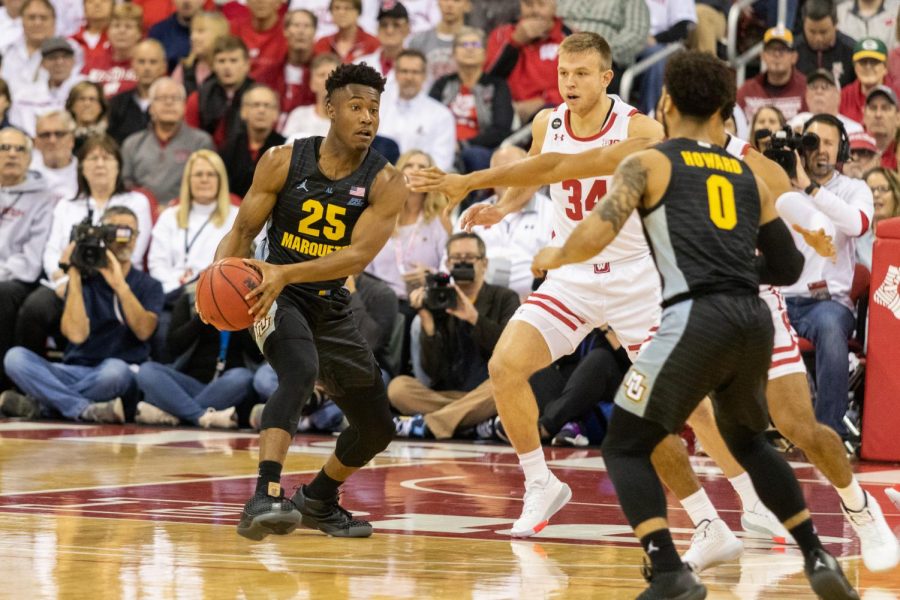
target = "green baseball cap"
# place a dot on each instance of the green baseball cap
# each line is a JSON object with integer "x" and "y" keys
{"x": 870, "y": 48}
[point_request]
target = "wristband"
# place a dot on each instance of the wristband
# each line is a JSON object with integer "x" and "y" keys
{"x": 811, "y": 188}
{"x": 63, "y": 266}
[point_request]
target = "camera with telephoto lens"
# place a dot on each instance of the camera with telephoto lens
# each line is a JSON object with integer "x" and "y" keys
{"x": 92, "y": 241}
{"x": 782, "y": 145}
{"x": 439, "y": 295}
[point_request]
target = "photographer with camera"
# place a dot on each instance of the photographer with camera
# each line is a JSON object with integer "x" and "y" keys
{"x": 818, "y": 303}
{"x": 111, "y": 310}
{"x": 461, "y": 323}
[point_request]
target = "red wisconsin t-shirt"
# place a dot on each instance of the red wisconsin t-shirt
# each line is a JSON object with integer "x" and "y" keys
{"x": 364, "y": 44}
{"x": 463, "y": 109}
{"x": 114, "y": 76}
{"x": 267, "y": 51}
{"x": 534, "y": 75}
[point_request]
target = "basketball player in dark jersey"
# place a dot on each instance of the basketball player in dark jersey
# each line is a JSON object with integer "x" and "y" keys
{"x": 331, "y": 203}
{"x": 704, "y": 214}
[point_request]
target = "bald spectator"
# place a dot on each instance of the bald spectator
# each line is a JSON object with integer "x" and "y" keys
{"x": 49, "y": 92}
{"x": 111, "y": 67}
{"x": 437, "y": 43}
{"x": 350, "y": 41}
{"x": 870, "y": 66}
{"x": 263, "y": 34}
{"x": 54, "y": 143}
{"x": 525, "y": 54}
{"x": 22, "y": 56}
{"x": 393, "y": 29}
{"x": 174, "y": 32}
{"x": 780, "y": 84}
{"x": 823, "y": 96}
{"x": 25, "y": 215}
{"x": 882, "y": 122}
{"x": 869, "y": 18}
{"x": 127, "y": 112}
{"x": 92, "y": 37}
{"x": 300, "y": 34}
{"x": 864, "y": 155}
{"x": 306, "y": 121}
{"x": 154, "y": 158}
{"x": 822, "y": 46}
{"x": 259, "y": 114}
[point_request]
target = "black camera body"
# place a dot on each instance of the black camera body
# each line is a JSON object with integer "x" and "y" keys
{"x": 439, "y": 295}
{"x": 784, "y": 142}
{"x": 91, "y": 243}
{"x": 464, "y": 272}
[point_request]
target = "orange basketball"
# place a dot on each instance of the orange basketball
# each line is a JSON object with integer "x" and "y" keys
{"x": 220, "y": 294}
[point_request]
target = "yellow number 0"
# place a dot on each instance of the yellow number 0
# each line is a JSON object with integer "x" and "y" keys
{"x": 333, "y": 231}
{"x": 722, "y": 210}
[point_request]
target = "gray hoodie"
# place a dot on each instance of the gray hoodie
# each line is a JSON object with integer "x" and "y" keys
{"x": 26, "y": 210}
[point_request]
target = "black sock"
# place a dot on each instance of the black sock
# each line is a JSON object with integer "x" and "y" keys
{"x": 269, "y": 481}
{"x": 805, "y": 536}
{"x": 661, "y": 550}
{"x": 322, "y": 487}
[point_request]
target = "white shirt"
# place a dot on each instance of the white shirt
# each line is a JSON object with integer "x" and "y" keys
{"x": 31, "y": 101}
{"x": 175, "y": 252}
{"x": 304, "y": 122}
{"x": 368, "y": 20}
{"x": 666, "y": 13}
{"x": 62, "y": 183}
{"x": 420, "y": 244}
{"x": 19, "y": 68}
{"x": 69, "y": 16}
{"x": 512, "y": 243}
{"x": 71, "y": 212}
{"x": 10, "y": 29}
{"x": 422, "y": 123}
{"x": 844, "y": 210}
{"x": 374, "y": 61}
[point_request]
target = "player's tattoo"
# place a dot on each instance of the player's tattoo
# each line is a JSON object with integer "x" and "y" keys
{"x": 627, "y": 189}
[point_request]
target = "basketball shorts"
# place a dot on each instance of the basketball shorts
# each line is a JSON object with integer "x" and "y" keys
{"x": 718, "y": 345}
{"x": 576, "y": 299}
{"x": 786, "y": 358}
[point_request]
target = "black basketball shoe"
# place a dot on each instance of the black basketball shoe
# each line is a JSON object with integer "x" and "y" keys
{"x": 266, "y": 514}
{"x": 827, "y": 578}
{"x": 672, "y": 585}
{"x": 328, "y": 516}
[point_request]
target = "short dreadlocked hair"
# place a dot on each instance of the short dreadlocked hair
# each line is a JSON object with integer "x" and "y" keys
{"x": 700, "y": 84}
{"x": 361, "y": 74}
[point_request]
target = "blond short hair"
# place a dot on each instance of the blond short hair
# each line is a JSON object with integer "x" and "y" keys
{"x": 586, "y": 41}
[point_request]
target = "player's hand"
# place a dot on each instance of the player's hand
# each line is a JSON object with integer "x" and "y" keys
{"x": 465, "y": 310}
{"x": 481, "y": 214}
{"x": 273, "y": 281}
{"x": 415, "y": 278}
{"x": 432, "y": 179}
{"x": 546, "y": 260}
{"x": 112, "y": 272}
{"x": 820, "y": 241}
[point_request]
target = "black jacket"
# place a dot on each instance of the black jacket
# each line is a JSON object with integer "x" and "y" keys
{"x": 240, "y": 164}
{"x": 838, "y": 59}
{"x": 125, "y": 116}
{"x": 214, "y": 106}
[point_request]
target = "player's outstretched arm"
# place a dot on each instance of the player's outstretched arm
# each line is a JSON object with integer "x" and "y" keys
{"x": 269, "y": 178}
{"x": 605, "y": 221}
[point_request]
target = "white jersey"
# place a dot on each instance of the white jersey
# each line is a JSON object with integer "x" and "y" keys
{"x": 573, "y": 199}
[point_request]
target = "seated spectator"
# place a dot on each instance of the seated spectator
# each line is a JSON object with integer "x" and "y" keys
{"x": 818, "y": 303}
{"x": 625, "y": 24}
{"x": 53, "y": 159}
{"x": 525, "y": 54}
{"x": 768, "y": 118}
{"x": 415, "y": 120}
{"x": 11, "y": 20}
{"x": 780, "y": 84}
{"x": 186, "y": 235}
{"x": 885, "y": 187}
{"x": 670, "y": 22}
{"x": 50, "y": 92}
{"x": 87, "y": 105}
{"x": 193, "y": 69}
{"x": 92, "y": 37}
{"x": 393, "y": 29}
{"x": 711, "y": 22}
{"x": 882, "y": 121}
{"x": 436, "y": 44}
{"x": 864, "y": 156}
{"x": 209, "y": 378}
{"x": 310, "y": 120}
{"x": 456, "y": 346}
{"x": 216, "y": 106}
{"x": 512, "y": 243}
{"x": 869, "y": 19}
{"x": 22, "y": 55}
{"x": 263, "y": 34}
{"x": 480, "y": 103}
{"x": 299, "y": 33}
{"x": 111, "y": 67}
{"x": 174, "y": 32}
{"x": 870, "y": 65}
{"x": 155, "y": 157}
{"x": 259, "y": 115}
{"x": 128, "y": 110}
{"x": 25, "y": 210}
{"x": 108, "y": 318}
{"x": 823, "y": 96}
{"x": 350, "y": 41}
{"x": 5, "y": 103}
{"x": 822, "y": 46}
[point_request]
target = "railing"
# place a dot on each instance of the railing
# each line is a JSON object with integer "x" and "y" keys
{"x": 740, "y": 61}
{"x": 636, "y": 69}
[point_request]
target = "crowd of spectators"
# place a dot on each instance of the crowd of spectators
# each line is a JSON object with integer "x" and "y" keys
{"x": 146, "y": 119}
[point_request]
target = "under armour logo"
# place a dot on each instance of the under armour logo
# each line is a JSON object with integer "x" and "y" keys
{"x": 558, "y": 137}
{"x": 651, "y": 548}
{"x": 302, "y": 186}
{"x": 887, "y": 293}
{"x": 819, "y": 564}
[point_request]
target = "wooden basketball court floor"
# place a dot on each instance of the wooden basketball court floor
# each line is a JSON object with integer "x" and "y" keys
{"x": 143, "y": 513}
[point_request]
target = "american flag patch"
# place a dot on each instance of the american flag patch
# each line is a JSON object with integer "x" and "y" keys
{"x": 358, "y": 191}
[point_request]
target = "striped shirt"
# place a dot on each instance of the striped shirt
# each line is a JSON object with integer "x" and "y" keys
{"x": 625, "y": 24}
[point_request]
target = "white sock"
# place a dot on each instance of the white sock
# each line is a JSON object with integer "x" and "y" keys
{"x": 535, "y": 467}
{"x": 852, "y": 496}
{"x": 744, "y": 487}
{"x": 699, "y": 508}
